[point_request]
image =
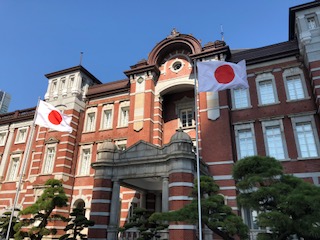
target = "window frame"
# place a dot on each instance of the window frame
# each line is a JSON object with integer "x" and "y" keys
{"x": 175, "y": 63}
{"x": 71, "y": 81}
{"x": 242, "y": 127}
{"x": 193, "y": 122}
{"x": 4, "y": 138}
{"x": 18, "y": 140}
{"x": 63, "y": 86}
{"x": 246, "y": 90}
{"x": 106, "y": 108}
{"x": 289, "y": 73}
{"x": 132, "y": 206}
{"x": 49, "y": 163}
{"x": 296, "y": 120}
{"x": 123, "y": 107}
{"x": 185, "y": 104}
{"x": 314, "y": 17}
{"x": 265, "y": 77}
{"x": 86, "y": 165}
{"x": 121, "y": 144}
{"x": 92, "y": 127}
{"x": 271, "y": 124}
{"x": 13, "y": 177}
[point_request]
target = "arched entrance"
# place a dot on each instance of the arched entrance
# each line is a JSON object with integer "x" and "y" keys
{"x": 165, "y": 172}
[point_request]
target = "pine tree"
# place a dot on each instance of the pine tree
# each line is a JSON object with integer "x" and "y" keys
{"x": 4, "y": 225}
{"x": 215, "y": 214}
{"x": 147, "y": 227}
{"x": 35, "y": 218}
{"x": 78, "y": 222}
{"x": 287, "y": 206}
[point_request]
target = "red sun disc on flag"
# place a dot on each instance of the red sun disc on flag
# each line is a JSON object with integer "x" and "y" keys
{"x": 224, "y": 74}
{"x": 55, "y": 117}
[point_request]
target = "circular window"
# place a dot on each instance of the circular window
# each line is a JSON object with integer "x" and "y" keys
{"x": 177, "y": 65}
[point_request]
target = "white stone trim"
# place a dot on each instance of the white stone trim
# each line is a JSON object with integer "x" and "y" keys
{"x": 181, "y": 184}
{"x": 228, "y": 188}
{"x": 223, "y": 177}
{"x": 182, "y": 227}
{"x": 104, "y": 189}
{"x": 220, "y": 163}
{"x": 183, "y": 198}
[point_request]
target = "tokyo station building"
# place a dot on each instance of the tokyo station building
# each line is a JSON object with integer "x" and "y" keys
{"x": 133, "y": 140}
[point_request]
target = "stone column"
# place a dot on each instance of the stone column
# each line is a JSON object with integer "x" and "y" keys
{"x": 143, "y": 200}
{"x": 165, "y": 194}
{"x": 100, "y": 208}
{"x": 114, "y": 212}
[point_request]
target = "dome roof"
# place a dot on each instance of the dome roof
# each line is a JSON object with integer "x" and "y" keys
{"x": 180, "y": 135}
{"x": 107, "y": 145}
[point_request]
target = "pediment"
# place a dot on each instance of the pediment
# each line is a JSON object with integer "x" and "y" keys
{"x": 141, "y": 150}
{"x": 52, "y": 140}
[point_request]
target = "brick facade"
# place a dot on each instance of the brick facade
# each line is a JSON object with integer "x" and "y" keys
{"x": 133, "y": 140}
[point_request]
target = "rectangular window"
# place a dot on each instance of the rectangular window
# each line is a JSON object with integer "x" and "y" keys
{"x": 187, "y": 118}
{"x": 107, "y": 119}
{"x": 49, "y": 160}
{"x": 266, "y": 92}
{"x": 90, "y": 124}
{"x": 3, "y": 136}
{"x": 21, "y": 135}
{"x": 54, "y": 86}
{"x": 13, "y": 169}
{"x": 295, "y": 88}
{"x": 85, "y": 162}
{"x": 240, "y": 98}
{"x": 71, "y": 82}
{"x": 306, "y": 136}
{"x": 306, "y": 140}
{"x": 246, "y": 143}
{"x": 121, "y": 144}
{"x": 311, "y": 23}
{"x": 274, "y": 142}
{"x": 124, "y": 117}
{"x": 245, "y": 140}
{"x": 133, "y": 206}
{"x": 250, "y": 217}
{"x": 63, "y": 86}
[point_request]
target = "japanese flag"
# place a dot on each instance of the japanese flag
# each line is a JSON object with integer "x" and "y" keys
{"x": 50, "y": 117}
{"x": 220, "y": 75}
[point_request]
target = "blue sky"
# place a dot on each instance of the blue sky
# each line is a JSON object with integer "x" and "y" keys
{"x": 40, "y": 37}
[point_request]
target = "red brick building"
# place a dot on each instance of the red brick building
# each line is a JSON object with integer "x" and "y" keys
{"x": 133, "y": 140}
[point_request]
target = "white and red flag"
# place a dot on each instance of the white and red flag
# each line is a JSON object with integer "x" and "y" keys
{"x": 50, "y": 117}
{"x": 220, "y": 75}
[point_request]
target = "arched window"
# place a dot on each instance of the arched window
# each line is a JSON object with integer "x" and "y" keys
{"x": 80, "y": 204}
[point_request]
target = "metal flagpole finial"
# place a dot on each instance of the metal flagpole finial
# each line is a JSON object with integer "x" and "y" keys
{"x": 81, "y": 54}
{"x": 222, "y": 33}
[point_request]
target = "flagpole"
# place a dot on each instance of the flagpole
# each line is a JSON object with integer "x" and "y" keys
{"x": 24, "y": 165}
{"x": 197, "y": 149}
